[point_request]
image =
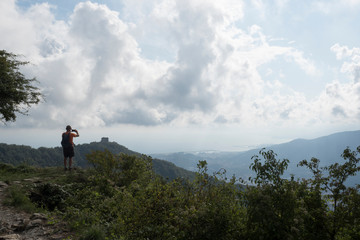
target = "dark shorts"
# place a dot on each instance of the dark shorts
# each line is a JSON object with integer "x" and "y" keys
{"x": 68, "y": 151}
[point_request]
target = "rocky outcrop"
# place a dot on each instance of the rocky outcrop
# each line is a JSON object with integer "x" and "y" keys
{"x": 17, "y": 225}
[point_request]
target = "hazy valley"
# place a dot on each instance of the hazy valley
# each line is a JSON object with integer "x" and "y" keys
{"x": 327, "y": 149}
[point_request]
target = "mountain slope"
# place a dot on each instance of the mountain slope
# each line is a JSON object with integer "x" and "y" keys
{"x": 47, "y": 157}
{"x": 328, "y": 149}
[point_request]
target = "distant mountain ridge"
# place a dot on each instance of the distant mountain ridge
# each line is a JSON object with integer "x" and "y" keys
{"x": 183, "y": 164}
{"x": 46, "y": 157}
{"x": 327, "y": 148}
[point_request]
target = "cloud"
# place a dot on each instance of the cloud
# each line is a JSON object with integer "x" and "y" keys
{"x": 339, "y": 102}
{"x": 102, "y": 67}
{"x": 338, "y": 110}
{"x": 351, "y": 67}
{"x": 17, "y": 29}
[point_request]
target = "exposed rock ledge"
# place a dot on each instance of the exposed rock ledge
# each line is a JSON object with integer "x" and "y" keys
{"x": 17, "y": 225}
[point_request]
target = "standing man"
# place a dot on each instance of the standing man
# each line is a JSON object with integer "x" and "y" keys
{"x": 68, "y": 145}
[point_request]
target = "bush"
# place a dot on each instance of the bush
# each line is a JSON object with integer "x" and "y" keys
{"x": 49, "y": 196}
{"x": 17, "y": 198}
{"x": 122, "y": 168}
{"x": 93, "y": 233}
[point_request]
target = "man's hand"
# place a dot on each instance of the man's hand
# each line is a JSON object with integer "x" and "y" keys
{"x": 77, "y": 133}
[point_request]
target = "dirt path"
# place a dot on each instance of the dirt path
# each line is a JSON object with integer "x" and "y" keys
{"x": 16, "y": 225}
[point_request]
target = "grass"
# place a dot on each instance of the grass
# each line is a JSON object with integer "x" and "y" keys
{"x": 21, "y": 179}
{"x": 16, "y": 197}
{"x": 10, "y": 173}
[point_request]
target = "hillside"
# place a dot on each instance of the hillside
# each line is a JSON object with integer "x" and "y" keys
{"x": 128, "y": 201}
{"x": 50, "y": 157}
{"x": 327, "y": 148}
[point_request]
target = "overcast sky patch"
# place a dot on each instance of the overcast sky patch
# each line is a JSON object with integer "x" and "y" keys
{"x": 184, "y": 63}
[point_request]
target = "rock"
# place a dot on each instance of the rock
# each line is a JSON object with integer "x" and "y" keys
{"x": 36, "y": 223}
{"x": 18, "y": 227}
{"x": 38, "y": 216}
{"x": 3, "y": 184}
{"x": 33, "y": 180}
{"x": 4, "y": 228}
{"x": 56, "y": 237}
{"x": 10, "y": 237}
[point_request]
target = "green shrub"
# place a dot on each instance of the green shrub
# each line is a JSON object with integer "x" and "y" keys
{"x": 6, "y": 166}
{"x": 122, "y": 169}
{"x": 16, "y": 197}
{"x": 49, "y": 196}
{"x": 93, "y": 233}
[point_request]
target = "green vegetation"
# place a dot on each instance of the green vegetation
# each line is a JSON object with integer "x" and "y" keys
{"x": 121, "y": 197}
{"x": 51, "y": 157}
{"x": 17, "y": 198}
{"x": 17, "y": 93}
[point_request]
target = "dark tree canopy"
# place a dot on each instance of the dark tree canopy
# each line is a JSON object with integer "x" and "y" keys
{"x": 17, "y": 93}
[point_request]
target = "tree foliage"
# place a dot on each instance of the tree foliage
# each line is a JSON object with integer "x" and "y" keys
{"x": 122, "y": 198}
{"x": 17, "y": 93}
{"x": 215, "y": 207}
{"x": 271, "y": 206}
{"x": 343, "y": 217}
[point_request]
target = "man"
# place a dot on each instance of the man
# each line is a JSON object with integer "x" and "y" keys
{"x": 68, "y": 145}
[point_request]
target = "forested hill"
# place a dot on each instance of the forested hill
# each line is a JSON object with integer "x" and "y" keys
{"x": 47, "y": 157}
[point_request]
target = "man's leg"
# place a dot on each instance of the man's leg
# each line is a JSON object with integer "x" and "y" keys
{"x": 70, "y": 162}
{"x": 65, "y": 163}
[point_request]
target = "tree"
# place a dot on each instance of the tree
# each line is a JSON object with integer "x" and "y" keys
{"x": 272, "y": 204}
{"x": 343, "y": 215}
{"x": 121, "y": 168}
{"x": 17, "y": 93}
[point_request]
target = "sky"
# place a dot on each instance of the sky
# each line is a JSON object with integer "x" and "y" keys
{"x": 185, "y": 75}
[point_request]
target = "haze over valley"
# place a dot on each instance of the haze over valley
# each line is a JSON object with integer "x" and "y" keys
{"x": 327, "y": 149}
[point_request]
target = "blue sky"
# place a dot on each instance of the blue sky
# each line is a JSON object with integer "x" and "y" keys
{"x": 178, "y": 75}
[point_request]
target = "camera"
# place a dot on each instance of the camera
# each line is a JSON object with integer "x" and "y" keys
{"x": 73, "y": 130}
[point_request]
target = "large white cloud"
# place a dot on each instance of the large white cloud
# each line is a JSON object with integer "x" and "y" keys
{"x": 16, "y": 31}
{"x": 102, "y": 67}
